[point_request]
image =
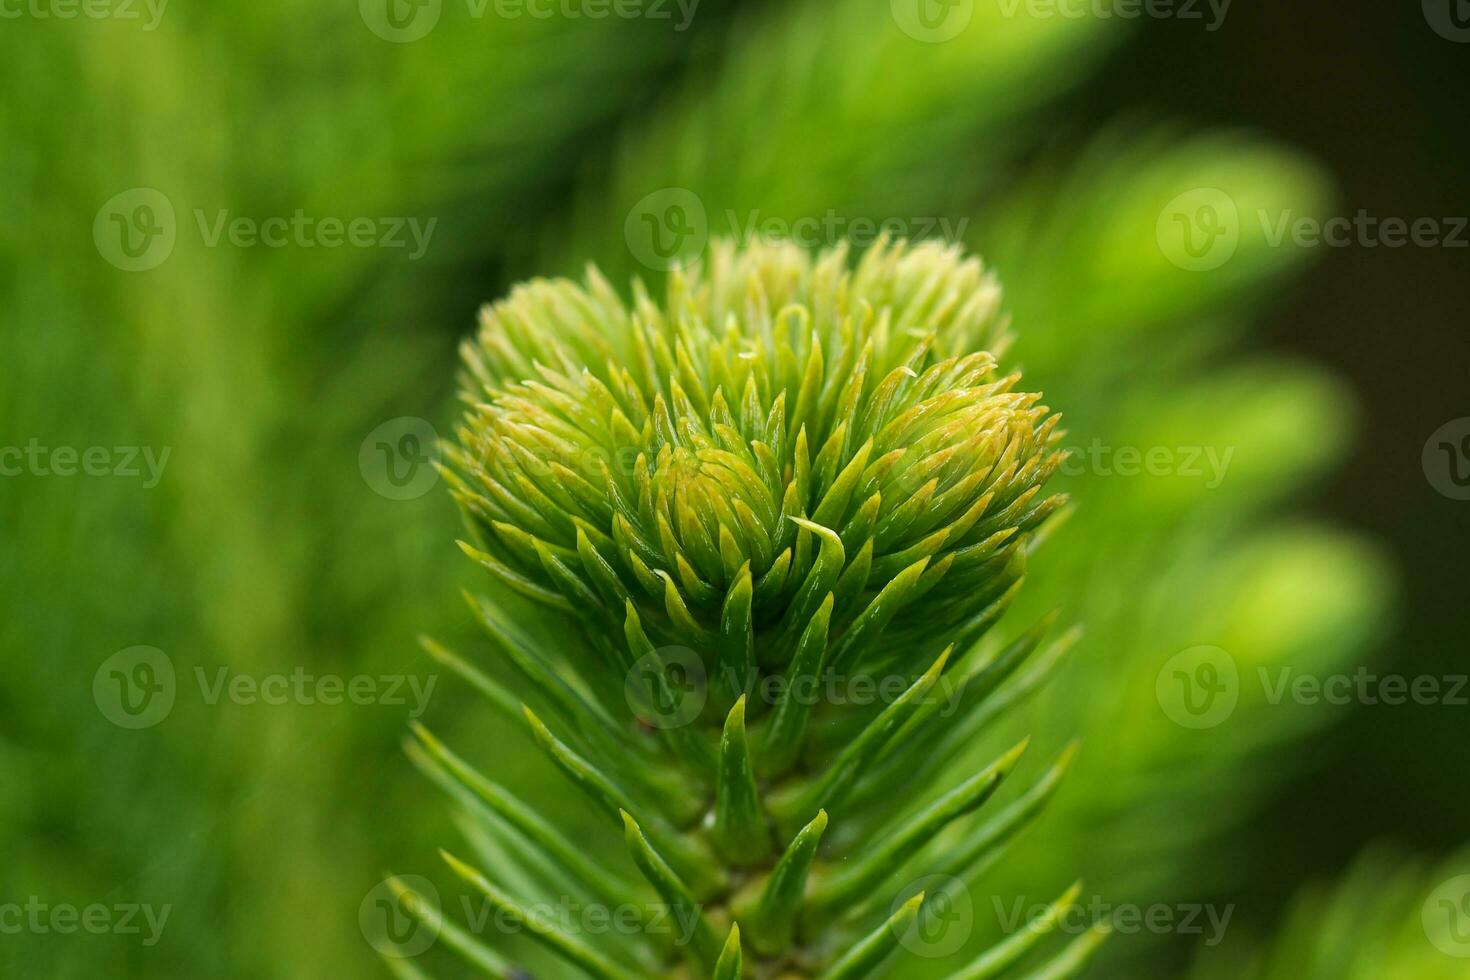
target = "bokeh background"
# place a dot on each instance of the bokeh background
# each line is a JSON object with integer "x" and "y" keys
{"x": 273, "y": 538}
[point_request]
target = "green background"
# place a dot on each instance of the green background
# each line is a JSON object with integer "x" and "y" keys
{"x": 264, "y": 548}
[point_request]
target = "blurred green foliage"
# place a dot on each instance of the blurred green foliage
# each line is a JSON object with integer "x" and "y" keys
{"x": 1372, "y": 923}
{"x": 263, "y": 550}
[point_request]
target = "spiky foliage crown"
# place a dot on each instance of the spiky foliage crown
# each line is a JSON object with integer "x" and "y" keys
{"x": 791, "y": 477}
